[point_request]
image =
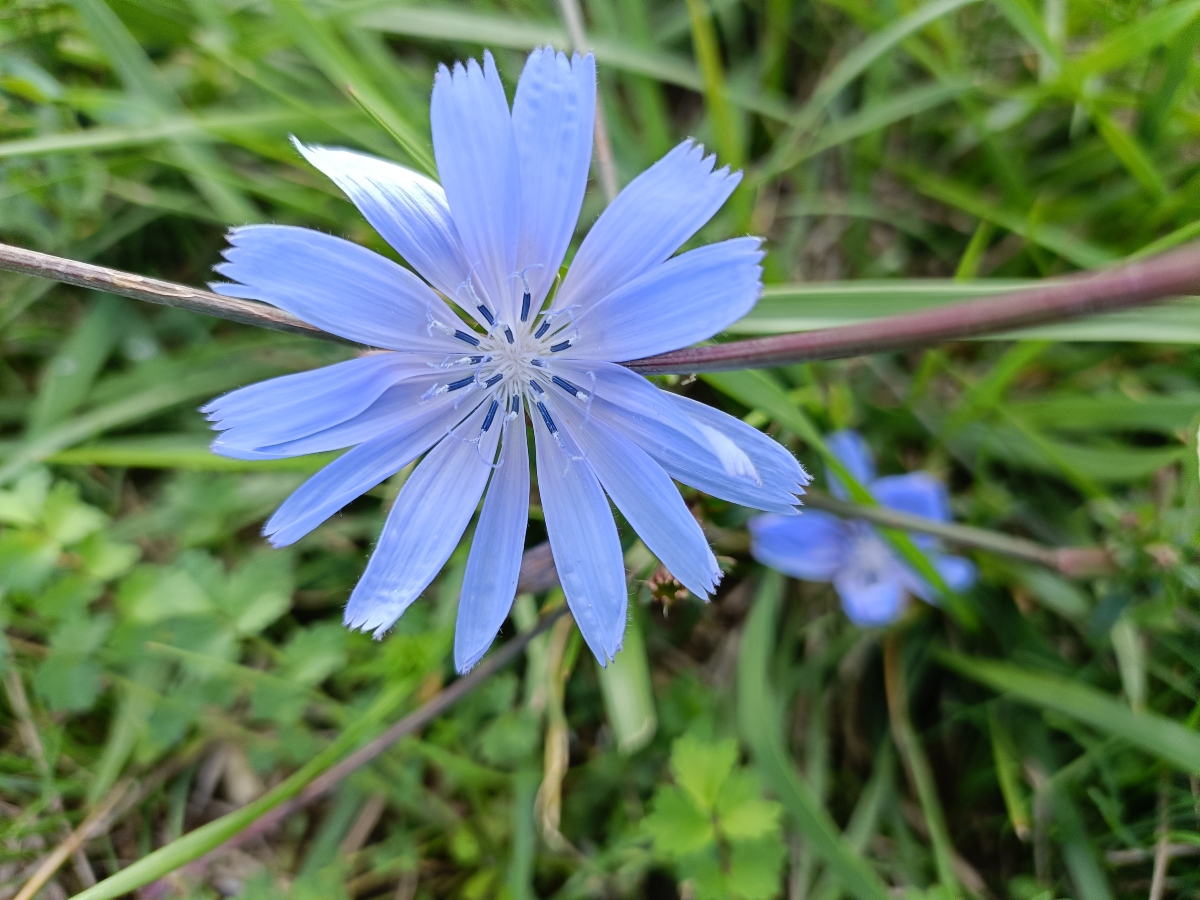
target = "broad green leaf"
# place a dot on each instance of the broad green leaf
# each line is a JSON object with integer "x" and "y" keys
{"x": 756, "y": 868}
{"x": 742, "y": 812}
{"x": 785, "y": 308}
{"x": 676, "y": 826}
{"x": 700, "y": 768}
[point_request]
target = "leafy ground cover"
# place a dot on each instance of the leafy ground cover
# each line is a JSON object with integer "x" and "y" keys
{"x": 1033, "y": 738}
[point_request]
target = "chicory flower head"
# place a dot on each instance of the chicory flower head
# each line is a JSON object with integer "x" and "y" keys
{"x": 871, "y": 581}
{"x": 479, "y": 341}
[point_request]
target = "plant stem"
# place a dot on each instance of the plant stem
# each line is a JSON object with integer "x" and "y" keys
{"x": 1172, "y": 274}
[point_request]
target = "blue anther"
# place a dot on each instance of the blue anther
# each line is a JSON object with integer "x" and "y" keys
{"x": 487, "y": 421}
{"x": 540, "y": 363}
{"x": 525, "y": 301}
{"x": 469, "y": 338}
{"x": 543, "y": 328}
{"x": 493, "y": 380}
{"x": 561, "y": 345}
{"x": 508, "y": 334}
{"x": 487, "y": 314}
{"x": 565, "y": 385}
{"x": 537, "y": 388}
{"x": 546, "y": 417}
{"x": 461, "y": 383}
{"x": 514, "y": 404}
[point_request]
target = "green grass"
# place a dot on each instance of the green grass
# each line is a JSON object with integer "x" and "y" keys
{"x": 1040, "y": 733}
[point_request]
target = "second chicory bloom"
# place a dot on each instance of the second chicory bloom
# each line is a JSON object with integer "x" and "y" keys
{"x": 871, "y": 581}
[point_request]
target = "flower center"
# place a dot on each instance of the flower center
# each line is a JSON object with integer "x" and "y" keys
{"x": 512, "y": 361}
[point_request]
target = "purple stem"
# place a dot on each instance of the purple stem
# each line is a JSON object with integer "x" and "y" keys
{"x": 1172, "y": 274}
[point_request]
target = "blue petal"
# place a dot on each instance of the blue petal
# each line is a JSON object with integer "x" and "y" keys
{"x": 477, "y": 160}
{"x": 650, "y": 219}
{"x": 408, "y": 210}
{"x": 296, "y": 406}
{"x": 686, "y": 299}
{"x": 356, "y": 472}
{"x": 583, "y": 537}
{"x": 917, "y": 493}
{"x": 870, "y": 603}
{"x": 494, "y": 564}
{"x": 812, "y": 546}
{"x": 958, "y": 573}
{"x": 431, "y": 513}
{"x": 647, "y": 498}
{"x": 401, "y": 403}
{"x": 553, "y": 114}
{"x": 852, "y": 451}
{"x": 668, "y": 428}
{"x": 337, "y": 286}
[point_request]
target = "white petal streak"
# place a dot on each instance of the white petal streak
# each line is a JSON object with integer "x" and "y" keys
{"x": 356, "y": 472}
{"x": 425, "y": 525}
{"x": 647, "y": 498}
{"x": 553, "y": 114}
{"x": 583, "y": 537}
{"x": 666, "y": 426}
{"x": 650, "y": 219}
{"x": 477, "y": 160}
{"x": 686, "y": 299}
{"x": 494, "y": 564}
{"x": 777, "y": 468}
{"x": 408, "y": 210}
{"x": 338, "y": 286}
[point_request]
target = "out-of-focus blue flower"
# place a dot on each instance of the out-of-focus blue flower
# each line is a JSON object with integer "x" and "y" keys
{"x": 473, "y": 346}
{"x": 871, "y": 581}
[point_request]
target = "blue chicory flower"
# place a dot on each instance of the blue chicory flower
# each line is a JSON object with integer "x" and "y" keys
{"x": 871, "y": 581}
{"x": 455, "y": 385}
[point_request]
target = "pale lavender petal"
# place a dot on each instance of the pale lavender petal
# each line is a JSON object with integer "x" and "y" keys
{"x": 686, "y": 299}
{"x": 494, "y": 564}
{"x": 408, "y": 210}
{"x": 651, "y": 218}
{"x": 356, "y": 472}
{"x": 583, "y": 537}
{"x": 646, "y": 496}
{"x": 425, "y": 525}
{"x": 553, "y": 114}
{"x": 812, "y": 546}
{"x": 337, "y": 286}
{"x": 477, "y": 161}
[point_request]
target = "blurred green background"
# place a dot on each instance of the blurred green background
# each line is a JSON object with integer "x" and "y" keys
{"x": 161, "y": 663}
